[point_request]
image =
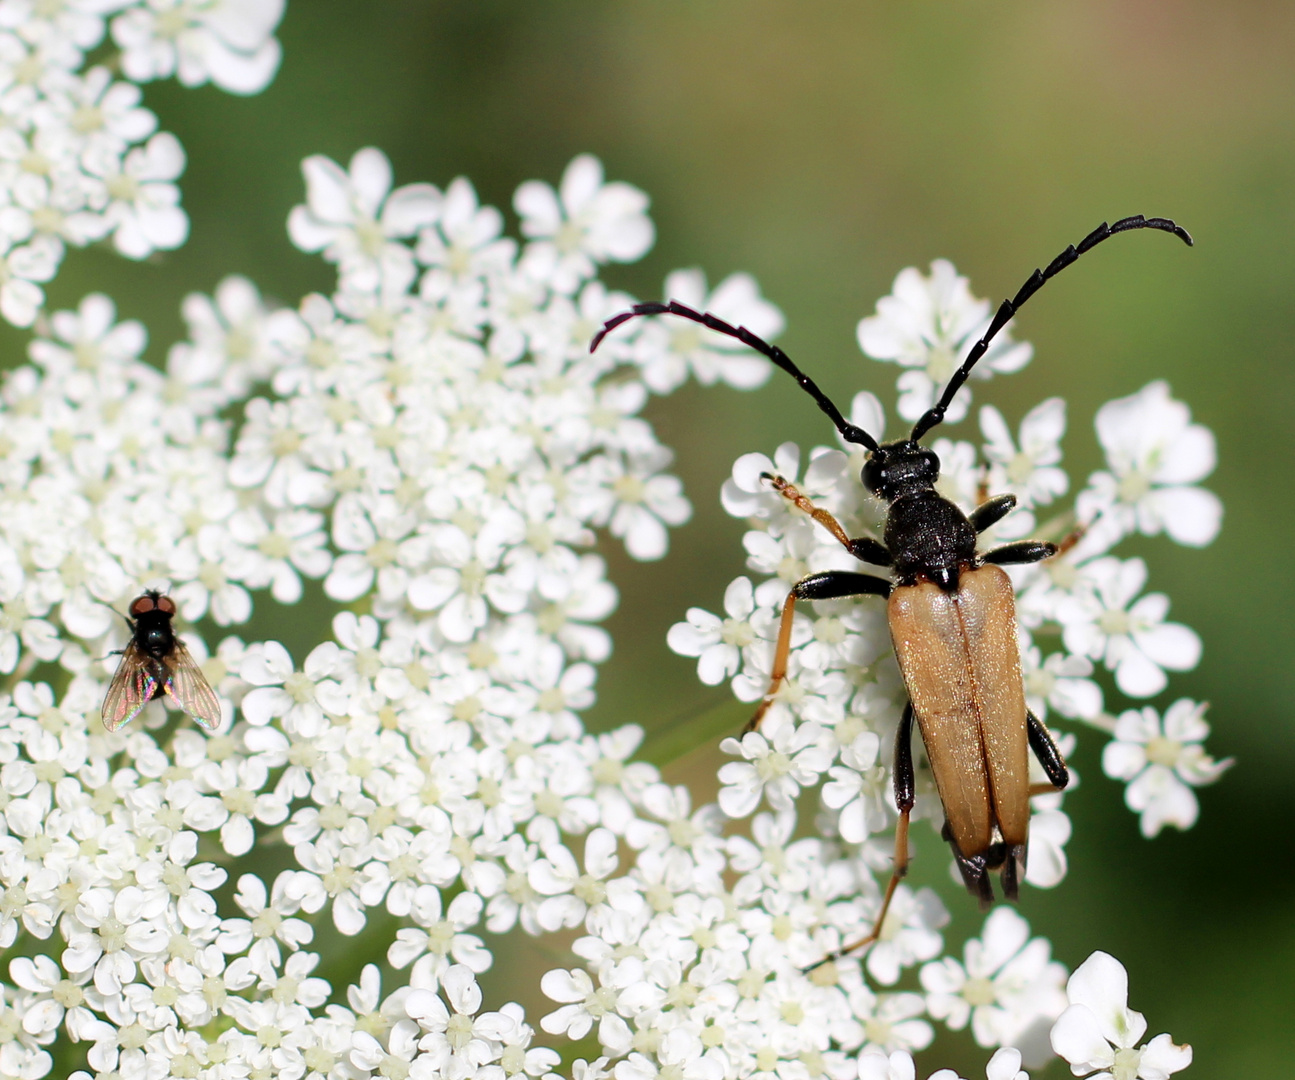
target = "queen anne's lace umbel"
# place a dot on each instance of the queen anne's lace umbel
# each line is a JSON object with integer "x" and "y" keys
{"x": 81, "y": 160}
{"x": 433, "y": 449}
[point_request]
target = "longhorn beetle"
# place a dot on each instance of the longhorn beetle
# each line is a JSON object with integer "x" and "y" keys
{"x": 951, "y": 612}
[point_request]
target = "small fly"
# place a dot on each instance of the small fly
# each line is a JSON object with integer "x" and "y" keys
{"x": 155, "y": 662}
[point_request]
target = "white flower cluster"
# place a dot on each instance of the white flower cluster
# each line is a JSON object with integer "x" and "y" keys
{"x": 80, "y": 159}
{"x": 434, "y": 445}
{"x": 1097, "y": 1034}
{"x": 439, "y": 443}
{"x": 928, "y": 325}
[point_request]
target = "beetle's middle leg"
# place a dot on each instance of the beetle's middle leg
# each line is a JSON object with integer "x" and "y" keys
{"x": 825, "y": 585}
{"x": 863, "y": 548}
{"x": 1020, "y": 551}
{"x": 1072, "y": 538}
{"x": 994, "y": 510}
{"x": 991, "y": 511}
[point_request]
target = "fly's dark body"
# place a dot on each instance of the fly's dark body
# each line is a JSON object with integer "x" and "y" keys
{"x": 156, "y": 662}
{"x": 153, "y": 633}
{"x": 951, "y": 613}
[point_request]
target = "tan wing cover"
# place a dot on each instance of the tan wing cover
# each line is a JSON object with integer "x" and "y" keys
{"x": 961, "y": 665}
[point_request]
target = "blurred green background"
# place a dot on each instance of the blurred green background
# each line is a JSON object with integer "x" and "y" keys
{"x": 823, "y": 147}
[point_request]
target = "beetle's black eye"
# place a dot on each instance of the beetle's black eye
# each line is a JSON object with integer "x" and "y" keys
{"x": 874, "y": 473}
{"x": 930, "y": 466}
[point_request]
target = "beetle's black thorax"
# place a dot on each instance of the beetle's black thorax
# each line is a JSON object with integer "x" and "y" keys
{"x": 928, "y": 536}
{"x": 153, "y": 634}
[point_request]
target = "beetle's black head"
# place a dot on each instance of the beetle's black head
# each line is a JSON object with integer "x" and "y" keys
{"x": 900, "y": 468}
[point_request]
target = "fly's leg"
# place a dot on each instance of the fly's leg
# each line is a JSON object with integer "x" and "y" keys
{"x": 905, "y": 796}
{"x": 863, "y": 548}
{"x": 826, "y": 585}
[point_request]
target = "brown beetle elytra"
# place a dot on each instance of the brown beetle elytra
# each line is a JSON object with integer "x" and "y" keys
{"x": 951, "y": 612}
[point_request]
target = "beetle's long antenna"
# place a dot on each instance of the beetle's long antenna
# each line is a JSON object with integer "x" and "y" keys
{"x": 1008, "y": 308}
{"x": 849, "y": 432}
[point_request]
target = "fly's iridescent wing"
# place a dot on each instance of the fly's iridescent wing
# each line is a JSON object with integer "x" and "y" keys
{"x": 190, "y": 689}
{"x": 131, "y": 688}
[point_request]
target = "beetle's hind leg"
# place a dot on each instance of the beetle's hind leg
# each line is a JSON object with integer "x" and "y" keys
{"x": 1054, "y": 767}
{"x": 1045, "y": 749}
{"x": 905, "y": 795}
{"x": 1013, "y": 865}
{"x": 826, "y": 585}
{"x": 863, "y": 548}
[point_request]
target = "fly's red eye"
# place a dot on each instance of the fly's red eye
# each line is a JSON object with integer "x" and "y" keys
{"x": 141, "y": 606}
{"x": 166, "y": 605}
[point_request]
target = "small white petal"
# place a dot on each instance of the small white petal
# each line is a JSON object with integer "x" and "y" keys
{"x": 1192, "y": 516}
{"x": 1077, "y": 1037}
{"x": 1101, "y": 985}
{"x": 1161, "y": 1057}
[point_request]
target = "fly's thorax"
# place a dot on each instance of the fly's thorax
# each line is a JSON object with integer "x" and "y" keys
{"x": 153, "y": 634}
{"x": 929, "y": 537}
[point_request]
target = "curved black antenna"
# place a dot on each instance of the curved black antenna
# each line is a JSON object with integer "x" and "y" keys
{"x": 1008, "y": 308}
{"x": 129, "y": 624}
{"x": 849, "y": 432}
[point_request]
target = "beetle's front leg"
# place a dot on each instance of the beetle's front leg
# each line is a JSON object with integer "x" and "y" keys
{"x": 863, "y": 548}
{"x": 905, "y": 796}
{"x": 826, "y": 585}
